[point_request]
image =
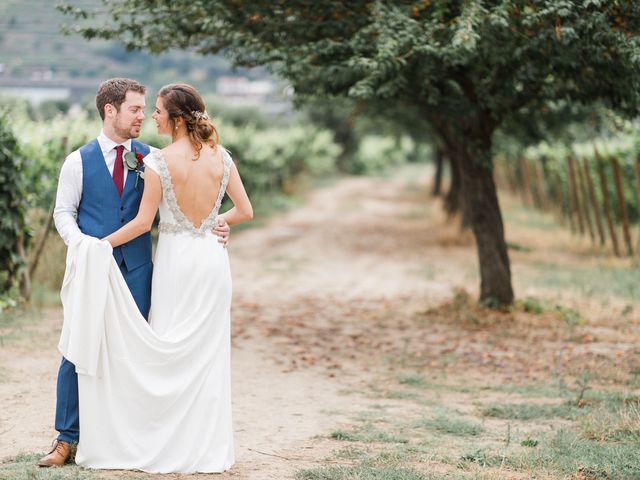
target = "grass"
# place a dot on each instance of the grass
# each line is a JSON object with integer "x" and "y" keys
{"x": 566, "y": 452}
{"x": 598, "y": 281}
{"x": 413, "y": 379}
{"x": 446, "y": 422}
{"x": 534, "y": 305}
{"x": 423, "y": 211}
{"x": 527, "y": 217}
{"x": 23, "y": 467}
{"x": 284, "y": 264}
{"x": 533, "y": 390}
{"x": 364, "y": 471}
{"x": 367, "y": 434}
{"x": 4, "y": 374}
{"x": 530, "y": 411}
{"x": 613, "y": 425}
{"x": 350, "y": 452}
{"x": 517, "y": 247}
{"x": 599, "y": 438}
{"x": 402, "y": 395}
{"x": 44, "y": 296}
{"x": 14, "y": 325}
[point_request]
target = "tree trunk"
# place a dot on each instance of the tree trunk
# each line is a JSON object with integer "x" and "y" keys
{"x": 482, "y": 212}
{"x": 437, "y": 178}
{"x": 467, "y": 145}
{"x": 527, "y": 194}
{"x": 452, "y": 198}
{"x": 344, "y": 135}
{"x": 25, "y": 278}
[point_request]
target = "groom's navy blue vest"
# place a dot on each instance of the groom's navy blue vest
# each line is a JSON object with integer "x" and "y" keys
{"x": 102, "y": 211}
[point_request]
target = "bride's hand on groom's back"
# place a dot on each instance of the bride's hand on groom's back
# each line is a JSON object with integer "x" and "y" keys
{"x": 222, "y": 230}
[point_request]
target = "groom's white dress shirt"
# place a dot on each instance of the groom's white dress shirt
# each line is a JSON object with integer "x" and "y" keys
{"x": 69, "y": 192}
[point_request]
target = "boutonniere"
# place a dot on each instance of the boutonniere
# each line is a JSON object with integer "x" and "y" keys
{"x": 134, "y": 163}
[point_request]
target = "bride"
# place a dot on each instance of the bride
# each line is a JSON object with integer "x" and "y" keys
{"x": 156, "y": 397}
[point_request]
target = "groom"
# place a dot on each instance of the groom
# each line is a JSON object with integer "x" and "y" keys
{"x": 97, "y": 194}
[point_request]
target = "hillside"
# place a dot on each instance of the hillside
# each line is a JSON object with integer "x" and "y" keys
{"x": 32, "y": 47}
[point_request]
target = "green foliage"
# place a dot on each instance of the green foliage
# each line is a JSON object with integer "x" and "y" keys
{"x": 272, "y": 160}
{"x": 371, "y": 136}
{"x": 376, "y": 153}
{"x": 42, "y": 145}
{"x": 467, "y": 68}
{"x": 622, "y": 145}
{"x": 238, "y": 116}
{"x": 458, "y": 59}
{"x": 12, "y": 212}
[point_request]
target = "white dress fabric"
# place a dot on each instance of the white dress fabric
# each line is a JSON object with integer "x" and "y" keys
{"x": 153, "y": 397}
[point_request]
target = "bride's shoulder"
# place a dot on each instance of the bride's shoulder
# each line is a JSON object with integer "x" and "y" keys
{"x": 154, "y": 152}
{"x": 154, "y": 160}
{"x": 226, "y": 153}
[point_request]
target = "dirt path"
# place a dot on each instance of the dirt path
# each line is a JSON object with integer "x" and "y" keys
{"x": 338, "y": 246}
{"x": 362, "y": 250}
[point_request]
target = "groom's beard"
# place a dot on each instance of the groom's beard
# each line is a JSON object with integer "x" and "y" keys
{"x": 128, "y": 131}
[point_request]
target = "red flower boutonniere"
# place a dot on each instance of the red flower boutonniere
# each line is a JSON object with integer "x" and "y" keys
{"x": 134, "y": 163}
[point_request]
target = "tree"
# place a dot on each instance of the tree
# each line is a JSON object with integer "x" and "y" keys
{"x": 339, "y": 118}
{"x": 13, "y": 230}
{"x": 466, "y": 65}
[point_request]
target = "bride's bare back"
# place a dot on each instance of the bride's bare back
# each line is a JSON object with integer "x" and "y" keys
{"x": 196, "y": 184}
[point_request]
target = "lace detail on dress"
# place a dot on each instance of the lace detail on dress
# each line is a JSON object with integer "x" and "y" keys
{"x": 183, "y": 224}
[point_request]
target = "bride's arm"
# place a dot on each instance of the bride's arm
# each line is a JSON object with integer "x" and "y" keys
{"x": 242, "y": 209}
{"x": 147, "y": 212}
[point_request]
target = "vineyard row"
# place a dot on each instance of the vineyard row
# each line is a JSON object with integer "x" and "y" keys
{"x": 598, "y": 196}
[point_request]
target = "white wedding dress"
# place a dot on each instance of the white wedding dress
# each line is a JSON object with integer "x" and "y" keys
{"x": 153, "y": 397}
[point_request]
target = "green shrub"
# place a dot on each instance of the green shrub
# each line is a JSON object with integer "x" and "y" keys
{"x": 13, "y": 229}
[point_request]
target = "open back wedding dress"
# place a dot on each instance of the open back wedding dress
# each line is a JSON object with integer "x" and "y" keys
{"x": 153, "y": 397}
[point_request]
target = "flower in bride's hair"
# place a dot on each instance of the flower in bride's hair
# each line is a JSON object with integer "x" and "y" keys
{"x": 198, "y": 115}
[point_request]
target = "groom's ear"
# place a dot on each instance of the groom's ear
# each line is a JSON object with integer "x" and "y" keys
{"x": 110, "y": 111}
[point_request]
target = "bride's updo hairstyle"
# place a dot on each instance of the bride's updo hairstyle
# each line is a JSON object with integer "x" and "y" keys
{"x": 182, "y": 100}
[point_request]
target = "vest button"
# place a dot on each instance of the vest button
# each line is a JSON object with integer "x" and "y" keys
{"x": 122, "y": 220}
{"x": 121, "y": 208}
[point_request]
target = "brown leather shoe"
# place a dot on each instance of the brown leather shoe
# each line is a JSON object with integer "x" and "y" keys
{"x": 59, "y": 455}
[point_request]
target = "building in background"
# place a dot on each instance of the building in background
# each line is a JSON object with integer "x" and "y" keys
{"x": 39, "y": 88}
{"x": 266, "y": 94}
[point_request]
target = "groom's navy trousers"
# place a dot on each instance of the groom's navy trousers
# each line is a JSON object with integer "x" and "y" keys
{"x": 102, "y": 211}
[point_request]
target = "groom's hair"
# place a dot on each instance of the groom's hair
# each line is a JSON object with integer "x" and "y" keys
{"x": 114, "y": 91}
